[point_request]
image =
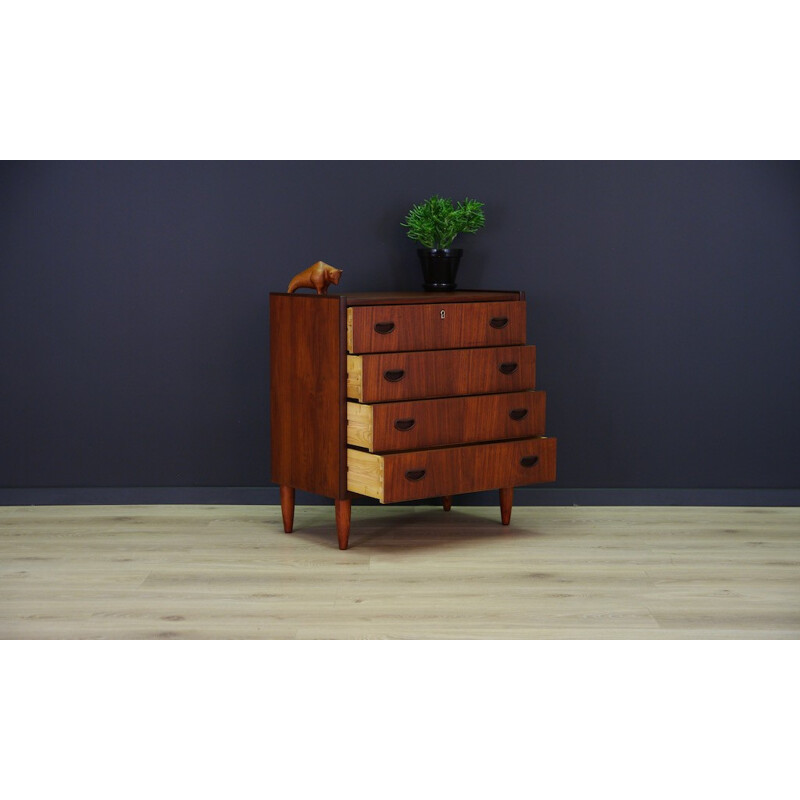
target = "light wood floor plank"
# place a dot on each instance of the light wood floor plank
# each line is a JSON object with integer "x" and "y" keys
{"x": 412, "y": 572}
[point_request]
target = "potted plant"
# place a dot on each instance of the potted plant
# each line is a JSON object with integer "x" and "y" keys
{"x": 435, "y": 224}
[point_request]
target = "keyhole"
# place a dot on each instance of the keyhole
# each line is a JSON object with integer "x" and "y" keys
{"x": 441, "y": 313}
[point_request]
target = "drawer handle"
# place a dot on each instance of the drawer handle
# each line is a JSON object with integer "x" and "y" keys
{"x": 394, "y": 375}
{"x": 529, "y": 461}
{"x": 404, "y": 424}
{"x": 415, "y": 474}
{"x": 498, "y": 322}
{"x": 518, "y": 413}
{"x": 508, "y": 367}
{"x": 384, "y": 327}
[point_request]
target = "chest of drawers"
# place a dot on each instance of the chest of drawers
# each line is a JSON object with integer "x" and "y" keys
{"x": 404, "y": 396}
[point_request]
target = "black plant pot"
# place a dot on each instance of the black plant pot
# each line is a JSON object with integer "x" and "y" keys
{"x": 439, "y": 269}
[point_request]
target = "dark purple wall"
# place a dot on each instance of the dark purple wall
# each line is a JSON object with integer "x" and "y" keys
{"x": 664, "y": 299}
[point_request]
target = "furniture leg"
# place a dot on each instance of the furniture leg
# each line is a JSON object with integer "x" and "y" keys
{"x": 343, "y": 522}
{"x": 447, "y": 502}
{"x": 287, "y": 507}
{"x": 506, "y": 500}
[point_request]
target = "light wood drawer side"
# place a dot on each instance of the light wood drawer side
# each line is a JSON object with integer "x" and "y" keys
{"x": 355, "y": 377}
{"x": 359, "y": 425}
{"x": 365, "y": 474}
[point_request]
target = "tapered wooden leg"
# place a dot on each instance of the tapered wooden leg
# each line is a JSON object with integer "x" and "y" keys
{"x": 506, "y": 500}
{"x": 287, "y": 507}
{"x": 343, "y": 522}
{"x": 447, "y": 502}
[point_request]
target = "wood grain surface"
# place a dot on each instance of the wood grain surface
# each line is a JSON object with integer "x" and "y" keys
{"x": 411, "y": 572}
{"x": 305, "y": 392}
{"x": 436, "y": 326}
{"x": 287, "y": 507}
{"x": 419, "y": 474}
{"x": 416, "y": 424}
{"x": 462, "y": 296}
{"x": 383, "y": 377}
{"x": 393, "y": 298}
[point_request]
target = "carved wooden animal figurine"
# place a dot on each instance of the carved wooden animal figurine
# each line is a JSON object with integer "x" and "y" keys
{"x": 318, "y": 276}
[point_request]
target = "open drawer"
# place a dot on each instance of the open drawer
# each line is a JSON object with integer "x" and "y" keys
{"x": 415, "y": 424}
{"x": 383, "y": 377}
{"x": 451, "y": 470}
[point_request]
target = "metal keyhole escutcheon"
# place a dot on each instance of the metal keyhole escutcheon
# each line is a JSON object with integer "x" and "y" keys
{"x": 441, "y": 314}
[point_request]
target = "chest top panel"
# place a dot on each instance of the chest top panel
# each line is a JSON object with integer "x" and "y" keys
{"x": 404, "y": 298}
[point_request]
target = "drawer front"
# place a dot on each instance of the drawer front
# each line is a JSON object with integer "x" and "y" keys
{"x": 454, "y": 470}
{"x": 415, "y": 424}
{"x": 393, "y": 329}
{"x": 381, "y": 378}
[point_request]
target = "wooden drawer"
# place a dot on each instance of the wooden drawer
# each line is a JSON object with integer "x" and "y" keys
{"x": 415, "y": 424}
{"x": 380, "y": 378}
{"x": 393, "y": 329}
{"x": 451, "y": 470}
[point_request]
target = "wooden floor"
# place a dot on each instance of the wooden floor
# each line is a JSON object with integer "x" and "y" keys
{"x": 229, "y": 572}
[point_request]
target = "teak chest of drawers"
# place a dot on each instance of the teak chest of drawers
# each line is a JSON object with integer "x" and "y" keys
{"x": 404, "y": 396}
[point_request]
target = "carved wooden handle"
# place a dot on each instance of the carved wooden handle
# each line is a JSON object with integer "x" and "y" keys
{"x": 529, "y": 461}
{"x": 508, "y": 367}
{"x": 384, "y": 327}
{"x": 415, "y": 474}
{"x": 498, "y": 322}
{"x": 394, "y": 375}
{"x": 404, "y": 424}
{"x": 518, "y": 413}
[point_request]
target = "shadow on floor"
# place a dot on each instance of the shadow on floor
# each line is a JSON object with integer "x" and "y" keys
{"x": 379, "y": 529}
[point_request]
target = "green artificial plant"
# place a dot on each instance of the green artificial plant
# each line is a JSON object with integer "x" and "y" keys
{"x": 436, "y": 222}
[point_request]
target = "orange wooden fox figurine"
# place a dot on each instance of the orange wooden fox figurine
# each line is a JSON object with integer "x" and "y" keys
{"x": 318, "y": 276}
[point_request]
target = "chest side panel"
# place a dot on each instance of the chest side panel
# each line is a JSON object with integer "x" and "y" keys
{"x": 305, "y": 392}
